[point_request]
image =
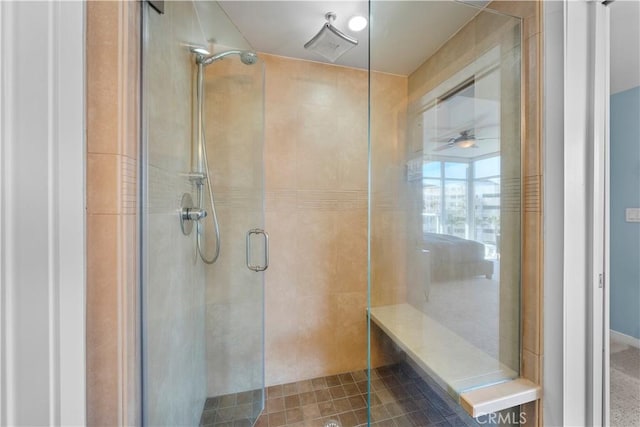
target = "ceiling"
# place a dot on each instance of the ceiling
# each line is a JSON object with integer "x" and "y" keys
{"x": 403, "y": 35}
{"x": 283, "y": 27}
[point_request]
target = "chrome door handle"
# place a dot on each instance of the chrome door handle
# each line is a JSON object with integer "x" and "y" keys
{"x": 266, "y": 250}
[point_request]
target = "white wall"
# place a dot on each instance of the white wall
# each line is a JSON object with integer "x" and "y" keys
{"x": 624, "y": 164}
{"x": 625, "y": 45}
{"x": 42, "y": 213}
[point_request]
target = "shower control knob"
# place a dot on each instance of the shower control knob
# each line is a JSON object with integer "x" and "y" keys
{"x": 189, "y": 213}
{"x": 193, "y": 214}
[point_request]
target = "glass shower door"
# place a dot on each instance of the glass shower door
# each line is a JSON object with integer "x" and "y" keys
{"x": 202, "y": 324}
{"x": 234, "y": 116}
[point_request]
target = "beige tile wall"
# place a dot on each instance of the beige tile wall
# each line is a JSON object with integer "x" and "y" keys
{"x": 113, "y": 85}
{"x": 389, "y": 238}
{"x": 316, "y": 214}
{"x": 112, "y": 153}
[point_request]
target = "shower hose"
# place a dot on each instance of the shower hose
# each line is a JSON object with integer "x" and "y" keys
{"x": 203, "y": 144}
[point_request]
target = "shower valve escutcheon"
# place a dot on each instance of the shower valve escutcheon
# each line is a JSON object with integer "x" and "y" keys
{"x": 189, "y": 213}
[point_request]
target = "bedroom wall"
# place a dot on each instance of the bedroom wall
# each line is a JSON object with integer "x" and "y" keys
{"x": 625, "y": 167}
{"x": 625, "y": 193}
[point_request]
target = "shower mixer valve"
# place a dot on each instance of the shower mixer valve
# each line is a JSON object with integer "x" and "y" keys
{"x": 193, "y": 214}
{"x": 189, "y": 213}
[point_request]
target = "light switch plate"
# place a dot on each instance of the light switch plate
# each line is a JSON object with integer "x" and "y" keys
{"x": 632, "y": 214}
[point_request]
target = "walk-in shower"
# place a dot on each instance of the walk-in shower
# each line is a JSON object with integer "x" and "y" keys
{"x": 390, "y": 183}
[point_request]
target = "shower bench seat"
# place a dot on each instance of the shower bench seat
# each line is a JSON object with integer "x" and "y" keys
{"x": 477, "y": 380}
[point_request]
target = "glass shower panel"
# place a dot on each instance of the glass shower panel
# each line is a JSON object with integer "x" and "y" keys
{"x": 202, "y": 326}
{"x": 445, "y": 196}
{"x": 173, "y": 281}
{"x": 234, "y": 293}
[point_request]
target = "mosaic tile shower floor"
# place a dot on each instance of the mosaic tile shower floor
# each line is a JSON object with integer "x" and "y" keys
{"x": 400, "y": 397}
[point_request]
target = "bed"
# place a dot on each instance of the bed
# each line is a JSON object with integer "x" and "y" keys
{"x": 453, "y": 257}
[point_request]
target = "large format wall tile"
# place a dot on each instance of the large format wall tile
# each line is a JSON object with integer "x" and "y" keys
{"x": 316, "y": 189}
{"x": 112, "y": 148}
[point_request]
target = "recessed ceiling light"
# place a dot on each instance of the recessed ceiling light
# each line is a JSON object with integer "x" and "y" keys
{"x": 357, "y": 23}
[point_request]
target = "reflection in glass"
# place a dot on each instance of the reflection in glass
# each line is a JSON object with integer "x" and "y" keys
{"x": 486, "y": 205}
{"x": 448, "y": 293}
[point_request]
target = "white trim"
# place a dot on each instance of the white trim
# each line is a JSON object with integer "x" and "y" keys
{"x": 71, "y": 221}
{"x": 53, "y": 214}
{"x": 576, "y": 136}
{"x": 606, "y": 373}
{"x": 620, "y": 338}
{"x": 6, "y": 125}
{"x": 596, "y": 151}
{"x": 574, "y": 156}
{"x": 42, "y": 205}
{"x": 553, "y": 226}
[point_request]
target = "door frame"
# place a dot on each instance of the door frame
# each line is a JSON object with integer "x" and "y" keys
{"x": 575, "y": 212}
{"x": 42, "y": 247}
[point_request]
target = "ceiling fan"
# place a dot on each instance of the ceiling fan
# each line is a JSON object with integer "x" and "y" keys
{"x": 466, "y": 139}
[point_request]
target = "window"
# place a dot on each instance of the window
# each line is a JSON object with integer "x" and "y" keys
{"x": 463, "y": 199}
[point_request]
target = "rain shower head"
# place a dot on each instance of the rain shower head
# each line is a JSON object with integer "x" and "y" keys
{"x": 247, "y": 57}
{"x": 331, "y": 42}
